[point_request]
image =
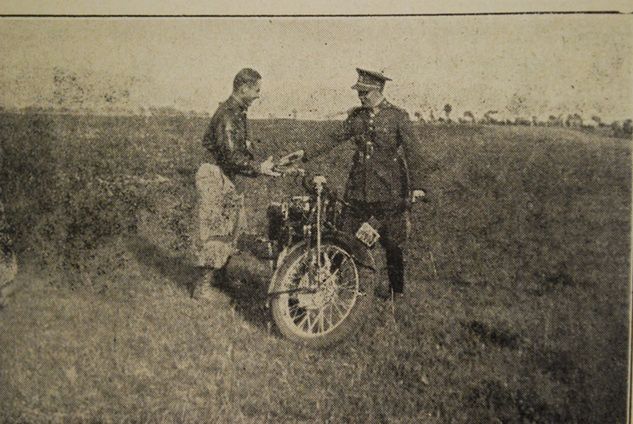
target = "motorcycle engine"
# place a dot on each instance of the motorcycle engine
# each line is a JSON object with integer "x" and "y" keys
{"x": 286, "y": 220}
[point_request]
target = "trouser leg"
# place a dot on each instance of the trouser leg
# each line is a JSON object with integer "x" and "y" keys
{"x": 395, "y": 232}
{"x": 395, "y": 267}
{"x": 220, "y": 217}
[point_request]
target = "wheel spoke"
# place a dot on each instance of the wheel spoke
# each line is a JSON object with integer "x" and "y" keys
{"x": 347, "y": 293}
{"x": 300, "y": 313}
{"x": 336, "y": 306}
{"x": 306, "y": 320}
{"x": 294, "y": 307}
{"x": 331, "y": 277}
{"x": 338, "y": 313}
{"x": 348, "y": 287}
{"x": 344, "y": 304}
{"x": 343, "y": 289}
{"x": 313, "y": 325}
{"x": 330, "y": 309}
{"x": 322, "y": 319}
{"x": 335, "y": 273}
{"x": 340, "y": 266}
{"x": 347, "y": 283}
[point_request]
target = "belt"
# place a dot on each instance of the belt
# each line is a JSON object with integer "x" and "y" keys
{"x": 371, "y": 151}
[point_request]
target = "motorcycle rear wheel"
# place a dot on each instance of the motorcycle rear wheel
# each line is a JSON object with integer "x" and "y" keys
{"x": 321, "y": 314}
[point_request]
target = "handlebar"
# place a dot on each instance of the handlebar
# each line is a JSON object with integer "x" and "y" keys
{"x": 308, "y": 184}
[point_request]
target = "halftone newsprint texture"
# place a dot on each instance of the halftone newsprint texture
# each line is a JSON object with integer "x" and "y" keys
{"x": 489, "y": 153}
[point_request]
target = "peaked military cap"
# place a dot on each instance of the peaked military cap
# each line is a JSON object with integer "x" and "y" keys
{"x": 369, "y": 80}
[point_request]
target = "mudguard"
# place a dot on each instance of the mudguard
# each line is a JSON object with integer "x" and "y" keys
{"x": 361, "y": 254}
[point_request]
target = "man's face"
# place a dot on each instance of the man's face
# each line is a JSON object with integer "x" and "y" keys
{"x": 369, "y": 98}
{"x": 249, "y": 93}
{"x": 362, "y": 95}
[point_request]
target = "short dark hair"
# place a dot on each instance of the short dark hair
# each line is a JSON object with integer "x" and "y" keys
{"x": 246, "y": 76}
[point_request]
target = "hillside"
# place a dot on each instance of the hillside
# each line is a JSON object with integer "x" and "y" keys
{"x": 518, "y": 287}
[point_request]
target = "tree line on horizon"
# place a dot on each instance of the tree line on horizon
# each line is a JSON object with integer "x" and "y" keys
{"x": 620, "y": 128}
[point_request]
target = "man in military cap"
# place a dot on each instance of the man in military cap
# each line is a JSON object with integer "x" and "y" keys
{"x": 220, "y": 182}
{"x": 379, "y": 184}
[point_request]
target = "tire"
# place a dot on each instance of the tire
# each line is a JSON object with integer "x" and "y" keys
{"x": 345, "y": 296}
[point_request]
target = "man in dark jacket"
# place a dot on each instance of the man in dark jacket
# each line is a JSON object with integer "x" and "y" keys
{"x": 220, "y": 182}
{"x": 380, "y": 184}
{"x": 228, "y": 139}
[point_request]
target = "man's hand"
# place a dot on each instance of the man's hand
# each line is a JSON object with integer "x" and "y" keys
{"x": 266, "y": 168}
{"x": 418, "y": 196}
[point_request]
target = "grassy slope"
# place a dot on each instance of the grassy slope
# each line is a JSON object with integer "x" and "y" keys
{"x": 517, "y": 304}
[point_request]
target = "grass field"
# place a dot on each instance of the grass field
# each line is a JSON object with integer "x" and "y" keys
{"x": 516, "y": 311}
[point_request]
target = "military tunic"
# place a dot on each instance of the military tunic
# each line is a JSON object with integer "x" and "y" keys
{"x": 380, "y": 183}
{"x": 385, "y": 142}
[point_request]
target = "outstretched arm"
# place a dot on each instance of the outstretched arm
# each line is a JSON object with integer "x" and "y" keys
{"x": 340, "y": 134}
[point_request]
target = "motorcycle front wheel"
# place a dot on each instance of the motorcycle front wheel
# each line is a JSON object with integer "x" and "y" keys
{"x": 319, "y": 303}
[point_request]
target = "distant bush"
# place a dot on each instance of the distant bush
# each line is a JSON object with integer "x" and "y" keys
{"x": 622, "y": 129}
{"x": 62, "y": 196}
{"x": 27, "y": 174}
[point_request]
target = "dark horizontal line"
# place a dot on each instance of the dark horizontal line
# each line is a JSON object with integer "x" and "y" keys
{"x": 356, "y": 15}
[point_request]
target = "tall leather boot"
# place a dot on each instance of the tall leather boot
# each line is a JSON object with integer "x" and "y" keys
{"x": 395, "y": 268}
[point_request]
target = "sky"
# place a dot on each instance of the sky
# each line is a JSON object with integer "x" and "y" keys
{"x": 522, "y": 65}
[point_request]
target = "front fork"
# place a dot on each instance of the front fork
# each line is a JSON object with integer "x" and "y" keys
{"x": 319, "y": 182}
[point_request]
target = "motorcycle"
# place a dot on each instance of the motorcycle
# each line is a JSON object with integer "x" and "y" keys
{"x": 323, "y": 277}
